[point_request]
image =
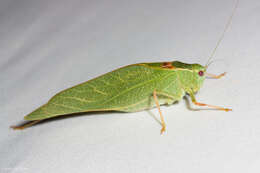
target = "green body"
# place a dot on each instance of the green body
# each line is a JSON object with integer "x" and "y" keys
{"x": 127, "y": 89}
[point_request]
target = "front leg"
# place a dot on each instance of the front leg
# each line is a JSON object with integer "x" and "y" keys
{"x": 203, "y": 104}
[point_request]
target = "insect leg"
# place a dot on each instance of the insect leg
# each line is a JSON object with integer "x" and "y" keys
{"x": 158, "y": 107}
{"x": 216, "y": 76}
{"x": 21, "y": 127}
{"x": 211, "y": 106}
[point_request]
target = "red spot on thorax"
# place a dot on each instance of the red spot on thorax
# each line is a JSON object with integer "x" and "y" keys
{"x": 167, "y": 65}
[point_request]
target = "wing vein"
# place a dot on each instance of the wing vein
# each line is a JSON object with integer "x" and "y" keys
{"x": 134, "y": 88}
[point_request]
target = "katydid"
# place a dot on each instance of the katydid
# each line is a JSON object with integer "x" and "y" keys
{"x": 131, "y": 88}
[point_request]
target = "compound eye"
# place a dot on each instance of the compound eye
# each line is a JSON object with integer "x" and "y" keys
{"x": 201, "y": 73}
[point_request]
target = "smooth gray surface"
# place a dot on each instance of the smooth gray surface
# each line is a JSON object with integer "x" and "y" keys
{"x": 47, "y": 46}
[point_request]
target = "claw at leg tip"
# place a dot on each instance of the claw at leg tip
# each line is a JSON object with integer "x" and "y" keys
{"x": 162, "y": 130}
{"x": 227, "y": 109}
{"x": 221, "y": 75}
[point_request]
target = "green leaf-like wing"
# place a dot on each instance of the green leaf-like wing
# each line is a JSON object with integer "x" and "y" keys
{"x": 126, "y": 89}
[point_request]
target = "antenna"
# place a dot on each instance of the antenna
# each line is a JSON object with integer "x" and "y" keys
{"x": 222, "y": 35}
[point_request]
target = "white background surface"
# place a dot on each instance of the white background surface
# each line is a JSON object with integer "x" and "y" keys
{"x": 48, "y": 46}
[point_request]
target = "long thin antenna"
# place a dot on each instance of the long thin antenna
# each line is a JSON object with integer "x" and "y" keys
{"x": 222, "y": 36}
